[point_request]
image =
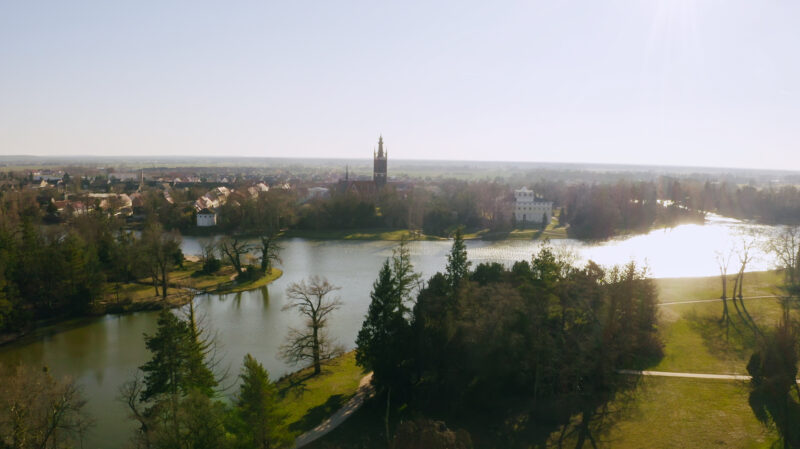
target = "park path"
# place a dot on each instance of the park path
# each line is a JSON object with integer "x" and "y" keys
{"x": 687, "y": 375}
{"x": 365, "y": 390}
{"x": 695, "y": 301}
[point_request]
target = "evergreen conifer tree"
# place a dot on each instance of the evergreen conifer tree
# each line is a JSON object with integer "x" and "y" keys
{"x": 263, "y": 425}
{"x": 457, "y": 263}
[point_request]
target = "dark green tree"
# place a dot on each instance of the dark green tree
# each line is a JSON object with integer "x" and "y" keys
{"x": 261, "y": 423}
{"x": 177, "y": 365}
{"x": 382, "y": 342}
{"x": 457, "y": 263}
{"x": 774, "y": 392}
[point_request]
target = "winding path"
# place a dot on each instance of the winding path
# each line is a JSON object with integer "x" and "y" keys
{"x": 688, "y": 375}
{"x": 365, "y": 391}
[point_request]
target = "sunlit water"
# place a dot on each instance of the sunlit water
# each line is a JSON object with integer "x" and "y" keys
{"x": 102, "y": 353}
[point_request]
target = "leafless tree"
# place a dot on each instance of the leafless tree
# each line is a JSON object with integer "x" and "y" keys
{"x": 744, "y": 253}
{"x": 786, "y": 248}
{"x": 723, "y": 261}
{"x": 234, "y": 249}
{"x": 160, "y": 251}
{"x": 38, "y": 411}
{"x": 270, "y": 251}
{"x": 311, "y": 342}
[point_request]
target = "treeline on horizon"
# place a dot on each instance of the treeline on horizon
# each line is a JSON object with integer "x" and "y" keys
{"x": 594, "y": 210}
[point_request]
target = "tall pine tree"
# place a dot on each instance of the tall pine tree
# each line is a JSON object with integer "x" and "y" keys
{"x": 262, "y": 423}
{"x": 457, "y": 263}
{"x": 382, "y": 342}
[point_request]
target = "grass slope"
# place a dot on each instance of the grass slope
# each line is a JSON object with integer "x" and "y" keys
{"x": 310, "y": 399}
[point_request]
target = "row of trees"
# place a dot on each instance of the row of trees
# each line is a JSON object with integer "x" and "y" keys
{"x": 767, "y": 205}
{"x": 602, "y": 210}
{"x": 536, "y": 344}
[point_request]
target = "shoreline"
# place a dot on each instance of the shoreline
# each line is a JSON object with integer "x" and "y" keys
{"x": 151, "y": 303}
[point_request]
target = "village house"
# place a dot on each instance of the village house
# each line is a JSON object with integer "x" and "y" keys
{"x": 206, "y": 218}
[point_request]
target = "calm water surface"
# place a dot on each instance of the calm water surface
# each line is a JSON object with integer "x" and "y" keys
{"x": 102, "y": 353}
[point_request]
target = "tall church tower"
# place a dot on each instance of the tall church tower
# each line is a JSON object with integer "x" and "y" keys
{"x": 379, "y": 165}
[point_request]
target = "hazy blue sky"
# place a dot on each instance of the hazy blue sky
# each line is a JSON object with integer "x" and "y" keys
{"x": 679, "y": 82}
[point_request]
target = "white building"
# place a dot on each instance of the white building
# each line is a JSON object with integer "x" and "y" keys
{"x": 527, "y": 209}
{"x": 206, "y": 218}
{"x": 318, "y": 192}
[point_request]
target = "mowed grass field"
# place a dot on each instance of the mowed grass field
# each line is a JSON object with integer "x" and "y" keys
{"x": 699, "y": 413}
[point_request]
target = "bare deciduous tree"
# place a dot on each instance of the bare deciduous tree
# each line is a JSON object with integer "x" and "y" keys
{"x": 745, "y": 255}
{"x": 38, "y": 411}
{"x": 723, "y": 261}
{"x": 786, "y": 248}
{"x": 270, "y": 252}
{"x": 234, "y": 249}
{"x": 311, "y": 342}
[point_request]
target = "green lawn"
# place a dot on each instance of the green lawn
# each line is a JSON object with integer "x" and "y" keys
{"x": 682, "y": 289}
{"x": 686, "y": 413}
{"x": 310, "y": 399}
{"x": 695, "y": 340}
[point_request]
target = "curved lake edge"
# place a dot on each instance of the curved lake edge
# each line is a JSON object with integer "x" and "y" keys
{"x": 152, "y": 303}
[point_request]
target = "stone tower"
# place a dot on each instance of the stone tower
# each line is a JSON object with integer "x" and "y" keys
{"x": 379, "y": 165}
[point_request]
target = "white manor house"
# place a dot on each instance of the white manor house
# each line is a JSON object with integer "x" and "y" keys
{"x": 529, "y": 210}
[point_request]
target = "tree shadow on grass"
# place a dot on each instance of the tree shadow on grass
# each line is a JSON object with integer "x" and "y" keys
{"x": 295, "y": 384}
{"x": 734, "y": 341}
{"x": 318, "y": 414}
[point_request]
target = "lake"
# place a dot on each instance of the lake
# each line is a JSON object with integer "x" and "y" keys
{"x": 102, "y": 353}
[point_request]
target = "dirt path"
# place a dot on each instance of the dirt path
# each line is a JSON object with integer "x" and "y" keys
{"x": 365, "y": 390}
{"x": 688, "y": 375}
{"x": 695, "y": 301}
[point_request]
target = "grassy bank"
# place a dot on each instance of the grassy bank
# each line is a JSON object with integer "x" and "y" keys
{"x": 184, "y": 284}
{"x": 359, "y": 234}
{"x": 552, "y": 232}
{"x": 310, "y": 399}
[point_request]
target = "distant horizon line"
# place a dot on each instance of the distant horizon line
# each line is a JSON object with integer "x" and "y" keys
{"x": 368, "y": 159}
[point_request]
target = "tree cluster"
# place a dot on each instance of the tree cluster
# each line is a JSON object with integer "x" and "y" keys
{"x": 602, "y": 210}
{"x": 63, "y": 270}
{"x": 175, "y": 399}
{"x": 537, "y": 343}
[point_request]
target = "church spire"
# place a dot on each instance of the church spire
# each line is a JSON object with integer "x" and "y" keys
{"x": 380, "y": 146}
